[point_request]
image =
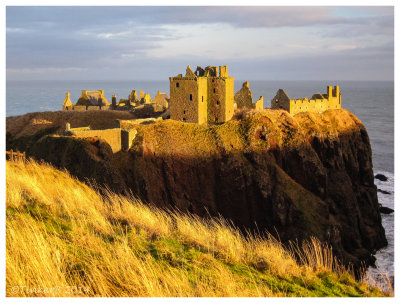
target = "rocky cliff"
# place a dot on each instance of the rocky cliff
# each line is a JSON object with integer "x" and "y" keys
{"x": 310, "y": 174}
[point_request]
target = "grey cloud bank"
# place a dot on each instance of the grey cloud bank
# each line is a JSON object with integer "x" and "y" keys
{"x": 152, "y": 43}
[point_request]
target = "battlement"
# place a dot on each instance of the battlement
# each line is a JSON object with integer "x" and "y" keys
{"x": 318, "y": 102}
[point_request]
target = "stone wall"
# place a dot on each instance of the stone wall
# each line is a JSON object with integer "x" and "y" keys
{"x": 127, "y": 136}
{"x": 318, "y": 103}
{"x": 81, "y": 108}
{"x": 162, "y": 99}
{"x": 216, "y": 100}
{"x": 111, "y": 136}
{"x": 189, "y": 99}
{"x": 259, "y": 105}
{"x": 202, "y": 97}
{"x": 229, "y": 98}
{"x": 244, "y": 97}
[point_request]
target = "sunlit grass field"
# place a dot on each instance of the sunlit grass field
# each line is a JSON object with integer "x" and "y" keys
{"x": 65, "y": 239}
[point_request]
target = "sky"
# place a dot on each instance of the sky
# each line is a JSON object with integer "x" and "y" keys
{"x": 154, "y": 43}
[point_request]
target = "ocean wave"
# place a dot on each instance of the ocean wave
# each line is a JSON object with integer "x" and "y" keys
{"x": 385, "y": 256}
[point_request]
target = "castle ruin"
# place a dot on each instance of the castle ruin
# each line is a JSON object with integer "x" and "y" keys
{"x": 95, "y": 100}
{"x": 244, "y": 98}
{"x": 89, "y": 100}
{"x": 203, "y": 96}
{"x": 318, "y": 102}
{"x": 119, "y": 139}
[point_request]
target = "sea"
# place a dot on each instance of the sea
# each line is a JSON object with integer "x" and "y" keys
{"x": 372, "y": 102}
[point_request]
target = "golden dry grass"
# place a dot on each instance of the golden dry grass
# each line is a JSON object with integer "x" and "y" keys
{"x": 64, "y": 239}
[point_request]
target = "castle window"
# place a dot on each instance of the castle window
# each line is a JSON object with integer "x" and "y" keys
{"x": 202, "y": 98}
{"x": 184, "y": 112}
{"x": 190, "y": 97}
{"x": 214, "y": 90}
{"x": 177, "y": 84}
{"x": 184, "y": 119}
{"x": 217, "y": 102}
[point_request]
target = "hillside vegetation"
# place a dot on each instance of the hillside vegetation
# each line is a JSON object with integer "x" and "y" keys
{"x": 64, "y": 239}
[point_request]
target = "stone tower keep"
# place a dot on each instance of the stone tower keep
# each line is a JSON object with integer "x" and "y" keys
{"x": 203, "y": 96}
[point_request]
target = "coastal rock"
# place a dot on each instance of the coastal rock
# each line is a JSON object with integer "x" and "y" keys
{"x": 293, "y": 176}
{"x": 381, "y": 177}
{"x": 383, "y": 192}
{"x": 385, "y": 210}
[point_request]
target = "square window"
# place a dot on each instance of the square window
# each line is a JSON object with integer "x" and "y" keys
{"x": 177, "y": 84}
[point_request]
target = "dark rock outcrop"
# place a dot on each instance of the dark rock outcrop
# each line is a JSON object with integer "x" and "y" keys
{"x": 385, "y": 210}
{"x": 301, "y": 176}
{"x": 381, "y": 177}
{"x": 385, "y": 192}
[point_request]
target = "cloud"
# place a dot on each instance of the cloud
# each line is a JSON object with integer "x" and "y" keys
{"x": 242, "y": 16}
{"x": 98, "y": 41}
{"x": 340, "y": 47}
{"x": 303, "y": 46}
{"x": 16, "y": 30}
{"x": 44, "y": 70}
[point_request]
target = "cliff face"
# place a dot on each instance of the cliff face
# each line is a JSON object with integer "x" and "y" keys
{"x": 298, "y": 176}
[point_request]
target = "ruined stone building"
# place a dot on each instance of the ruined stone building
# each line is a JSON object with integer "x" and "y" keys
{"x": 133, "y": 100}
{"x": 89, "y": 100}
{"x": 95, "y": 100}
{"x": 244, "y": 98}
{"x": 318, "y": 102}
{"x": 203, "y": 96}
{"x": 67, "y": 105}
{"x": 162, "y": 99}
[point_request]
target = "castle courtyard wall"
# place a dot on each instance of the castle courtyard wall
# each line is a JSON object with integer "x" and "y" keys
{"x": 127, "y": 136}
{"x": 312, "y": 105}
{"x": 79, "y": 108}
{"x": 318, "y": 103}
{"x": 111, "y": 136}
